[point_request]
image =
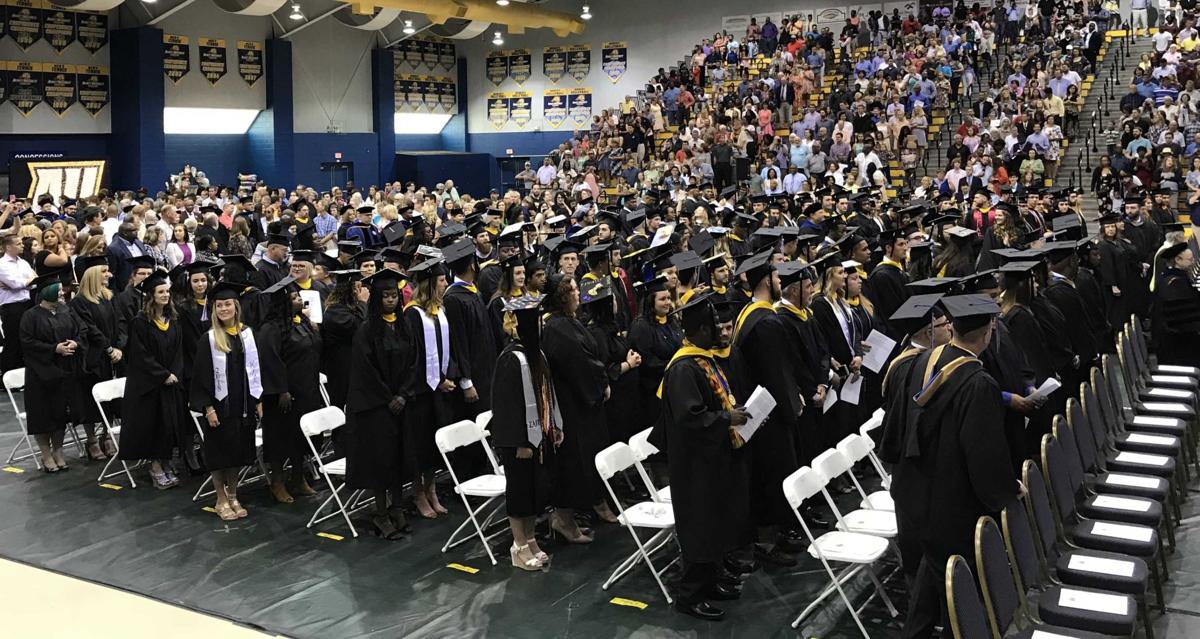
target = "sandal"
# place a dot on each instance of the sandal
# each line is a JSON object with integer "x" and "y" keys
{"x": 109, "y": 447}
{"x": 95, "y": 453}
{"x": 281, "y": 494}
{"x": 238, "y": 509}
{"x": 523, "y": 558}
{"x": 384, "y": 528}
{"x": 225, "y": 512}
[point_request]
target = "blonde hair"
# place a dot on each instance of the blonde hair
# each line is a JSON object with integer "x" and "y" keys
{"x": 220, "y": 337}
{"x": 93, "y": 245}
{"x": 91, "y": 285}
{"x": 426, "y": 296}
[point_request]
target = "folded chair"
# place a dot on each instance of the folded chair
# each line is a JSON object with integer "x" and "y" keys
{"x": 15, "y": 379}
{"x": 490, "y": 487}
{"x": 651, "y": 515}
{"x": 856, "y": 448}
{"x": 324, "y": 421}
{"x": 108, "y": 391}
{"x": 643, "y": 450}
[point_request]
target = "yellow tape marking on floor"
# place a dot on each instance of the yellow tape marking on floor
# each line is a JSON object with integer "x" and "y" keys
{"x": 13, "y": 469}
{"x": 467, "y": 569}
{"x": 621, "y": 601}
{"x": 209, "y": 509}
{"x": 110, "y": 486}
{"x": 330, "y": 536}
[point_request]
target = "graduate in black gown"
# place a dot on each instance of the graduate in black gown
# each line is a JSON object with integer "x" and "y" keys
{"x": 886, "y": 286}
{"x": 93, "y": 305}
{"x": 1120, "y": 271}
{"x": 655, "y": 336}
{"x": 431, "y": 380}
{"x": 1087, "y": 281}
{"x": 950, "y": 456}
{"x": 301, "y": 268}
{"x": 226, "y": 388}
{"x": 344, "y": 313}
{"x": 1063, "y": 262}
{"x": 526, "y": 427}
{"x": 699, "y": 415}
{"x": 598, "y": 301}
{"x": 510, "y": 286}
{"x": 1176, "y": 312}
{"x": 289, "y": 349}
{"x": 154, "y": 411}
{"x": 189, "y": 286}
{"x": 128, "y": 302}
{"x": 380, "y": 371}
{"x": 582, "y": 385}
{"x": 55, "y": 357}
{"x": 472, "y": 337}
{"x": 273, "y": 266}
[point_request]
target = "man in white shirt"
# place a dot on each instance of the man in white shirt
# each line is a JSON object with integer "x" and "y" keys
{"x": 15, "y": 277}
{"x": 794, "y": 181}
{"x": 1162, "y": 40}
{"x": 547, "y": 173}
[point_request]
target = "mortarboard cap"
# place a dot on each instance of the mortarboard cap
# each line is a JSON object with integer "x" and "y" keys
{"x": 687, "y": 260}
{"x": 595, "y": 290}
{"x": 141, "y": 261}
{"x": 792, "y": 272}
{"x": 279, "y": 286}
{"x": 970, "y": 312}
{"x": 430, "y": 268}
{"x": 698, "y": 312}
{"x": 383, "y": 279}
{"x": 393, "y": 233}
{"x": 941, "y": 285}
{"x": 459, "y": 251}
{"x": 651, "y": 286}
{"x": 1170, "y": 252}
{"x": 82, "y": 264}
{"x": 226, "y": 290}
{"x": 916, "y": 312}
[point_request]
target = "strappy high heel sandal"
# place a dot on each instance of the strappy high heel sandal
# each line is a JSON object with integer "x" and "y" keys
{"x": 523, "y": 558}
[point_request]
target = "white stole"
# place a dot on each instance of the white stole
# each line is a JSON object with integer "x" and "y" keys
{"x": 435, "y": 367}
{"x": 253, "y": 373}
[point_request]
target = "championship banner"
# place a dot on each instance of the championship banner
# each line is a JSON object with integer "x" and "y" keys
{"x": 554, "y": 63}
{"x": 58, "y": 27}
{"x": 414, "y": 97}
{"x": 250, "y": 60}
{"x": 177, "y": 57}
{"x": 554, "y": 107}
{"x": 520, "y": 107}
{"x": 429, "y": 54}
{"x": 448, "y": 96}
{"x": 399, "y": 92}
{"x": 431, "y": 96}
{"x": 447, "y": 55}
{"x": 579, "y": 61}
{"x": 92, "y": 30}
{"x": 59, "y": 82}
{"x": 411, "y": 48}
{"x": 614, "y": 59}
{"x": 579, "y": 107}
{"x": 213, "y": 65}
{"x": 25, "y": 86}
{"x": 93, "y": 88}
{"x": 496, "y": 67}
{"x": 24, "y": 21}
{"x": 497, "y": 109}
{"x": 520, "y": 65}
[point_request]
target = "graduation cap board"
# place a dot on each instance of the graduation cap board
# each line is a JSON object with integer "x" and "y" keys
{"x": 595, "y": 290}
{"x": 459, "y": 251}
{"x": 970, "y": 312}
{"x": 916, "y": 312}
{"x": 662, "y": 235}
{"x": 384, "y": 278}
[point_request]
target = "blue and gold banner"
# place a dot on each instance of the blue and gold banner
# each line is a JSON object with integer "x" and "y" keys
{"x": 91, "y": 29}
{"x": 213, "y": 65}
{"x": 554, "y": 107}
{"x": 614, "y": 59}
{"x": 554, "y": 63}
{"x": 520, "y": 65}
{"x": 177, "y": 57}
{"x": 496, "y": 67}
{"x": 431, "y": 96}
{"x": 447, "y": 56}
{"x": 520, "y": 107}
{"x": 93, "y": 88}
{"x": 24, "y": 19}
{"x": 498, "y": 109}
{"x": 579, "y": 107}
{"x": 250, "y": 60}
{"x": 447, "y": 96}
{"x": 25, "y": 89}
{"x": 59, "y": 89}
{"x": 430, "y": 53}
{"x": 579, "y": 61}
{"x": 58, "y": 27}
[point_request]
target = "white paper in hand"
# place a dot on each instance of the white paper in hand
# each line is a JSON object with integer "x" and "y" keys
{"x": 1043, "y": 392}
{"x": 759, "y": 406}
{"x": 831, "y": 398}
{"x": 881, "y": 347}
{"x": 313, "y": 299}
{"x": 852, "y": 389}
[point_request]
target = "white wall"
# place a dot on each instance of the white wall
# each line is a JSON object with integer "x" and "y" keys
{"x": 331, "y": 77}
{"x": 204, "y": 20}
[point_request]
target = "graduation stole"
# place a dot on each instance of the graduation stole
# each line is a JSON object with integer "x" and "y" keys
{"x": 889, "y": 262}
{"x": 543, "y": 419}
{"x": 934, "y": 381}
{"x": 305, "y": 285}
{"x": 750, "y": 308}
{"x": 219, "y": 360}
{"x": 435, "y": 367}
{"x": 469, "y": 287}
{"x": 907, "y": 353}
{"x": 802, "y": 313}
{"x": 717, "y": 382}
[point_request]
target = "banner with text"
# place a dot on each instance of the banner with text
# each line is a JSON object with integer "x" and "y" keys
{"x": 91, "y": 30}
{"x": 60, "y": 88}
{"x": 579, "y": 107}
{"x": 177, "y": 57}
{"x": 520, "y": 65}
{"x": 213, "y": 65}
{"x": 496, "y": 67}
{"x": 250, "y": 60}
{"x": 520, "y": 108}
{"x": 24, "y": 22}
{"x": 497, "y": 108}
{"x": 93, "y": 89}
{"x": 554, "y": 63}
{"x": 579, "y": 61}
{"x": 614, "y": 58}
{"x": 58, "y": 27}
{"x": 554, "y": 107}
{"x": 25, "y": 86}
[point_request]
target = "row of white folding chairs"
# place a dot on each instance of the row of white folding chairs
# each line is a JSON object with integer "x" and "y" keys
{"x": 15, "y": 380}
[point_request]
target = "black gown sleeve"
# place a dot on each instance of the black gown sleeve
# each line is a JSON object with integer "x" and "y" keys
{"x": 508, "y": 403}
{"x": 572, "y": 358}
{"x": 201, "y": 391}
{"x": 143, "y": 357}
{"x": 274, "y": 373}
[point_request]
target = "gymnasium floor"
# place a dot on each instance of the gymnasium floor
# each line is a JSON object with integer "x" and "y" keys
{"x": 268, "y": 572}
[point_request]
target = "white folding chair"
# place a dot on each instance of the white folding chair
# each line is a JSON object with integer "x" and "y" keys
{"x": 857, "y": 550}
{"x": 871, "y": 424}
{"x": 323, "y": 379}
{"x": 243, "y": 476}
{"x": 654, "y": 515}
{"x": 15, "y": 379}
{"x": 857, "y": 448}
{"x": 107, "y": 391}
{"x": 320, "y": 422}
{"x": 642, "y": 450}
{"x": 490, "y": 487}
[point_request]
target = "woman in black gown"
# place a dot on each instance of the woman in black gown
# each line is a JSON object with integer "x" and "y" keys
{"x": 525, "y": 436}
{"x": 154, "y": 413}
{"x": 655, "y": 336}
{"x": 579, "y": 376}
{"x": 1176, "y": 316}
{"x": 1016, "y": 305}
{"x": 620, "y": 362}
{"x": 863, "y": 311}
{"x": 226, "y": 386}
{"x": 431, "y": 380}
{"x": 93, "y": 305}
{"x": 190, "y": 286}
{"x": 1120, "y": 269}
{"x": 344, "y": 313}
{"x": 380, "y": 370}
{"x": 290, "y": 353}
{"x": 510, "y": 287}
{"x": 841, "y": 337}
{"x": 55, "y": 352}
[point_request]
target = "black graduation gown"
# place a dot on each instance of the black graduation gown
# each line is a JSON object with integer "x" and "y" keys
{"x": 843, "y": 418}
{"x": 623, "y": 409}
{"x": 428, "y": 409}
{"x": 231, "y": 443}
{"x": 739, "y": 481}
{"x": 290, "y": 358}
{"x": 380, "y": 369}
{"x": 952, "y": 463}
{"x": 809, "y": 355}
{"x": 267, "y": 273}
{"x": 1066, "y": 298}
{"x": 887, "y": 290}
{"x": 1005, "y": 362}
{"x": 54, "y": 384}
{"x": 195, "y": 322}
{"x": 154, "y": 416}
{"x": 473, "y": 345}
{"x": 1176, "y": 319}
{"x": 656, "y": 343}
{"x": 1120, "y": 267}
{"x": 338, "y": 327}
{"x": 701, "y": 461}
{"x": 100, "y": 331}
{"x": 579, "y": 378}
{"x": 773, "y": 448}
{"x": 871, "y": 395}
{"x": 126, "y": 305}
{"x": 488, "y": 281}
{"x": 1088, "y": 285}
{"x": 528, "y": 482}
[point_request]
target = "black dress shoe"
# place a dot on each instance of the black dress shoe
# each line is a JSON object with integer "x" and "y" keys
{"x": 701, "y": 610}
{"x": 722, "y": 592}
{"x": 815, "y": 518}
{"x": 739, "y": 567}
{"x": 776, "y": 557}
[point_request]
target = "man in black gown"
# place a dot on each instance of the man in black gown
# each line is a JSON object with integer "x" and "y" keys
{"x": 951, "y": 458}
{"x": 886, "y": 286}
{"x": 273, "y": 266}
{"x": 472, "y": 339}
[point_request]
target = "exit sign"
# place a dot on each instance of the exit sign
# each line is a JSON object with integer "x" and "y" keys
{"x": 337, "y": 156}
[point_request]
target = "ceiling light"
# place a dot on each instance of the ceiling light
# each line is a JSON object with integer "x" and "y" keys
{"x": 149, "y": 1}
{"x": 587, "y": 13}
{"x": 408, "y": 28}
{"x": 296, "y": 15}
{"x": 503, "y": 3}
{"x": 497, "y": 40}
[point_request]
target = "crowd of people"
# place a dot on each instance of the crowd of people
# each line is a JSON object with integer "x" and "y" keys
{"x": 579, "y": 324}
